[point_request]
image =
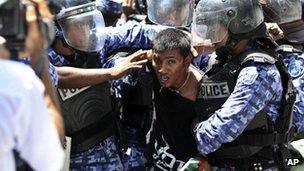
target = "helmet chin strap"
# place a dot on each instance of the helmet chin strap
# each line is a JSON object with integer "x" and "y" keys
{"x": 260, "y": 32}
{"x": 230, "y": 44}
{"x": 226, "y": 51}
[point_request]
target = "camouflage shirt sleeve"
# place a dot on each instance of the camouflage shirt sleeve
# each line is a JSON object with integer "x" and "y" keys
{"x": 257, "y": 87}
{"x": 130, "y": 36}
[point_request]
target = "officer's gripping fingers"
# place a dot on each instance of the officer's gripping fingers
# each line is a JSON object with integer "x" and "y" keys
{"x": 146, "y": 54}
{"x": 139, "y": 56}
{"x": 137, "y": 52}
{"x": 141, "y": 62}
{"x": 193, "y": 52}
{"x": 149, "y": 55}
{"x": 138, "y": 64}
{"x": 134, "y": 55}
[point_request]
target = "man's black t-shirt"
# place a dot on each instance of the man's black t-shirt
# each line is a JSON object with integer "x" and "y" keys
{"x": 171, "y": 142}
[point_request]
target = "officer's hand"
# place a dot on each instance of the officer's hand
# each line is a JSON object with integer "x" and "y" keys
{"x": 132, "y": 62}
{"x": 275, "y": 31}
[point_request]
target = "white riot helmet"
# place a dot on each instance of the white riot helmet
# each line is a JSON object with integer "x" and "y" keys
{"x": 214, "y": 19}
{"x": 171, "y": 12}
{"x": 82, "y": 27}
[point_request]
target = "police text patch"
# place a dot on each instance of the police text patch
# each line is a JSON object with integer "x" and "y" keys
{"x": 213, "y": 90}
{"x": 68, "y": 93}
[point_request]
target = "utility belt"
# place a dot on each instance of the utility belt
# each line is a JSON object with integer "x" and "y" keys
{"x": 269, "y": 157}
{"x": 264, "y": 159}
{"x": 252, "y": 152}
{"x": 248, "y": 145}
{"x": 94, "y": 133}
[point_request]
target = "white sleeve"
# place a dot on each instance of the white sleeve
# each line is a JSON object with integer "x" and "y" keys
{"x": 7, "y": 161}
{"x": 38, "y": 141}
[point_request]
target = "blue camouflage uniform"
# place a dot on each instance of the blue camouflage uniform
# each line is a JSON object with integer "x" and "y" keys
{"x": 201, "y": 62}
{"x": 258, "y": 87}
{"x": 294, "y": 63}
{"x": 105, "y": 156}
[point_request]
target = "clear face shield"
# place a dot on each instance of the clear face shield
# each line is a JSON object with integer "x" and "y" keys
{"x": 211, "y": 26}
{"x": 171, "y": 12}
{"x": 282, "y": 11}
{"x": 84, "y": 31}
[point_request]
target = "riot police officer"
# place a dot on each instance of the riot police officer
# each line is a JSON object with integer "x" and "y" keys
{"x": 288, "y": 15}
{"x": 88, "y": 112}
{"x": 244, "y": 102}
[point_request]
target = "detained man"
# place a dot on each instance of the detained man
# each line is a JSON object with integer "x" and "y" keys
{"x": 170, "y": 141}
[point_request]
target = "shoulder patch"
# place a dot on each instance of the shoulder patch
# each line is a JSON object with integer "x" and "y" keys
{"x": 248, "y": 76}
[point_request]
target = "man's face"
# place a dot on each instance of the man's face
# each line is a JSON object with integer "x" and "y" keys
{"x": 170, "y": 67}
{"x": 78, "y": 35}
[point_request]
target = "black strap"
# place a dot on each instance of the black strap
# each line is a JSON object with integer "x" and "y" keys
{"x": 283, "y": 122}
{"x": 14, "y": 55}
{"x": 264, "y": 139}
{"x": 264, "y": 157}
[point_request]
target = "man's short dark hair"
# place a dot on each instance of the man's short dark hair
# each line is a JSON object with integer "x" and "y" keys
{"x": 171, "y": 39}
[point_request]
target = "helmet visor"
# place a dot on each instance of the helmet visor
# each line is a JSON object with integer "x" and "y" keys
{"x": 213, "y": 25}
{"x": 171, "y": 12}
{"x": 84, "y": 31}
